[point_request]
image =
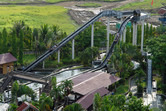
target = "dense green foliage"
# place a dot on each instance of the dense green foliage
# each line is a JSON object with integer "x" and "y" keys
{"x": 45, "y": 102}
{"x": 73, "y": 107}
{"x": 156, "y": 47}
{"x": 118, "y": 103}
{"x": 88, "y": 55}
{"x": 14, "y": 91}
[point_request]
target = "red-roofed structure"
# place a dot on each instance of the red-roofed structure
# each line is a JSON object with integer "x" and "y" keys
{"x": 162, "y": 11}
{"x": 6, "y": 63}
{"x": 87, "y": 101}
{"x": 27, "y": 106}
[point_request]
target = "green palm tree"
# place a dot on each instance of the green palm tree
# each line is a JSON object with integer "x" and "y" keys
{"x": 67, "y": 88}
{"x": 74, "y": 107}
{"x": 45, "y": 102}
{"x": 56, "y": 92}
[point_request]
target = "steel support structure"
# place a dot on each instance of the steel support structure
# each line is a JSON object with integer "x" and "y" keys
{"x": 134, "y": 33}
{"x": 108, "y": 33}
{"x": 124, "y": 35}
{"x": 58, "y": 56}
{"x": 73, "y": 48}
{"x": 142, "y": 36}
{"x": 92, "y": 36}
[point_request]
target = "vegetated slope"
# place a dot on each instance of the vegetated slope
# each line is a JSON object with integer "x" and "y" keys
{"x": 35, "y": 16}
{"x": 43, "y": 1}
{"x": 144, "y": 4}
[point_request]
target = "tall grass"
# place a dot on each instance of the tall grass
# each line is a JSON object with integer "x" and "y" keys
{"x": 35, "y": 16}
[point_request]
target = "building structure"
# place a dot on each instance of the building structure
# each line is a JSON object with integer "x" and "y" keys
{"x": 6, "y": 63}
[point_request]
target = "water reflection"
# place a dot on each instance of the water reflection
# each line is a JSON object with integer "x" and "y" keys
{"x": 67, "y": 74}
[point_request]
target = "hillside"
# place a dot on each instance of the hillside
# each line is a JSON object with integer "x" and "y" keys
{"x": 145, "y": 4}
{"x": 35, "y": 16}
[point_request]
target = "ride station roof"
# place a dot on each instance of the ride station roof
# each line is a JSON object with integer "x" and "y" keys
{"x": 87, "y": 100}
{"x": 87, "y": 82}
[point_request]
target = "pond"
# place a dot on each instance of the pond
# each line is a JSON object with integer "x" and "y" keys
{"x": 68, "y": 74}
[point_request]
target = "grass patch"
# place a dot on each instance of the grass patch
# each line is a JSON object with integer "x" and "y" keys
{"x": 49, "y": 1}
{"x": 122, "y": 88}
{"x": 89, "y": 5}
{"x": 28, "y": 58}
{"x": 145, "y": 4}
{"x": 77, "y": 67}
{"x": 35, "y": 16}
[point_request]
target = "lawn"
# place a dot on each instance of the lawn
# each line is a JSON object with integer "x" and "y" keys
{"x": 28, "y": 58}
{"x": 49, "y": 1}
{"x": 89, "y": 5}
{"x": 35, "y": 16}
{"x": 29, "y": 1}
{"x": 145, "y": 4}
{"x": 122, "y": 89}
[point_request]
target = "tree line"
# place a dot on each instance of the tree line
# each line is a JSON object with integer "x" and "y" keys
{"x": 21, "y": 38}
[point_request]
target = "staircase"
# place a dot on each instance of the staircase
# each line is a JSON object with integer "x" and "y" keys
{"x": 5, "y": 83}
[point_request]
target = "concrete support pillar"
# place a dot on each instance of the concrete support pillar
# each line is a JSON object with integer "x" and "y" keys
{"x": 73, "y": 48}
{"x": 134, "y": 33}
{"x": 43, "y": 65}
{"x": 58, "y": 56}
{"x": 142, "y": 36}
{"x": 92, "y": 36}
{"x": 124, "y": 35}
{"x": 149, "y": 78}
{"x": 121, "y": 36}
{"x": 108, "y": 33}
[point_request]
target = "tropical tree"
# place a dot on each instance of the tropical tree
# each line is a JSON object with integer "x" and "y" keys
{"x": 13, "y": 107}
{"x": 73, "y": 107}
{"x": 45, "y": 102}
{"x": 156, "y": 46}
{"x": 135, "y": 104}
{"x": 4, "y": 43}
{"x": 66, "y": 88}
{"x": 118, "y": 103}
{"x": 56, "y": 92}
{"x": 88, "y": 55}
{"x": 21, "y": 47}
{"x": 15, "y": 88}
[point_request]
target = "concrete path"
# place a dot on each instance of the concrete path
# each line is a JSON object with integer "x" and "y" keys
{"x": 151, "y": 98}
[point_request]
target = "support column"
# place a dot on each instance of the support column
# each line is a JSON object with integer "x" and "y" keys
{"x": 92, "y": 35}
{"x": 73, "y": 48}
{"x": 58, "y": 56}
{"x": 121, "y": 34}
{"x": 149, "y": 78}
{"x": 43, "y": 65}
{"x": 108, "y": 33}
{"x": 142, "y": 36}
{"x": 124, "y": 35}
{"x": 134, "y": 33}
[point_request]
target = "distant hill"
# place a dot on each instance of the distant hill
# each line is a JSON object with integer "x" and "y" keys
{"x": 45, "y": 1}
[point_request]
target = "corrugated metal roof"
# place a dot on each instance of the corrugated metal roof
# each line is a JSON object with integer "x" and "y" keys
{"x": 22, "y": 107}
{"x": 7, "y": 58}
{"x": 88, "y": 82}
{"x": 162, "y": 11}
{"x": 25, "y": 106}
{"x": 87, "y": 100}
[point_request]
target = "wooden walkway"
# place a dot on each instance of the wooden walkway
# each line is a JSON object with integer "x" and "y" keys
{"x": 28, "y": 78}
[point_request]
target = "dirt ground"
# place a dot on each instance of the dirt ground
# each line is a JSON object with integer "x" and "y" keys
{"x": 82, "y": 15}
